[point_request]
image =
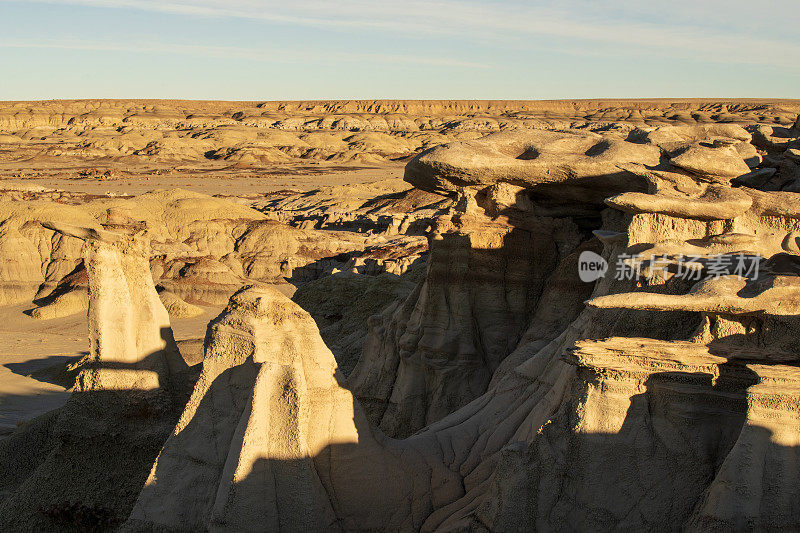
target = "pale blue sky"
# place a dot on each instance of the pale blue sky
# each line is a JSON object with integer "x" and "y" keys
{"x": 441, "y": 49}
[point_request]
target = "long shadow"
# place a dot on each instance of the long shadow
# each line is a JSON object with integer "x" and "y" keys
{"x": 223, "y": 466}
{"x": 323, "y": 266}
{"x": 81, "y": 466}
{"x": 16, "y": 409}
{"x": 675, "y": 448}
{"x": 77, "y": 277}
{"x": 684, "y": 446}
{"x": 477, "y": 303}
{"x": 445, "y": 363}
{"x": 46, "y": 369}
{"x": 654, "y": 472}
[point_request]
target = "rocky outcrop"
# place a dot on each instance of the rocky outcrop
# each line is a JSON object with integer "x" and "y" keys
{"x": 663, "y": 390}
{"x": 254, "y": 369}
{"x": 669, "y": 401}
{"x": 386, "y": 207}
{"x": 128, "y": 137}
{"x": 130, "y": 339}
{"x": 638, "y": 429}
{"x": 20, "y": 268}
{"x": 91, "y": 453}
{"x": 517, "y": 225}
{"x": 294, "y": 451}
{"x": 483, "y": 284}
{"x": 341, "y": 305}
{"x": 552, "y": 161}
{"x": 203, "y": 249}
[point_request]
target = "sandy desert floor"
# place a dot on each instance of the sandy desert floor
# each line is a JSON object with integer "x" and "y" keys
{"x": 34, "y": 354}
{"x": 242, "y": 185}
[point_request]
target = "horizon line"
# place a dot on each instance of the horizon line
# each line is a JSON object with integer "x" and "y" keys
{"x": 677, "y": 99}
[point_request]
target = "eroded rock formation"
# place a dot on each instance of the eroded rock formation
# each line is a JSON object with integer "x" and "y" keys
{"x": 503, "y": 393}
{"x": 95, "y": 449}
{"x": 203, "y": 249}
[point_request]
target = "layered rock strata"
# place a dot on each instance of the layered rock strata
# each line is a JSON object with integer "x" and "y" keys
{"x": 668, "y": 401}
{"x": 203, "y": 249}
{"x": 91, "y": 454}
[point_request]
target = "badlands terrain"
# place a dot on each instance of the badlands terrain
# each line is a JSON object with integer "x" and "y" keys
{"x": 368, "y": 316}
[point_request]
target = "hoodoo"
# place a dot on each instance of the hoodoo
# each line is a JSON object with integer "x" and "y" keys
{"x": 495, "y": 389}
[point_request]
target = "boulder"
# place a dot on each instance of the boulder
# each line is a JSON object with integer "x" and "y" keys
{"x": 709, "y": 161}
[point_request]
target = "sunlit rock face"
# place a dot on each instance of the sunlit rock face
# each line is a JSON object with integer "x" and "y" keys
{"x": 129, "y": 388}
{"x": 264, "y": 373}
{"x": 202, "y": 249}
{"x": 130, "y": 340}
{"x": 504, "y": 393}
{"x": 663, "y": 380}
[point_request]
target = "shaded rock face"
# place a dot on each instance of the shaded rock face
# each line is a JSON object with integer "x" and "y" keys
{"x": 644, "y": 428}
{"x": 341, "y": 305}
{"x": 439, "y": 350}
{"x": 491, "y": 262}
{"x": 649, "y": 417}
{"x": 654, "y": 444}
{"x": 293, "y": 452}
{"x": 253, "y": 363}
{"x": 665, "y": 402}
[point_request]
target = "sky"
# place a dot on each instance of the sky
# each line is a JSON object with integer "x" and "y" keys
{"x": 403, "y": 49}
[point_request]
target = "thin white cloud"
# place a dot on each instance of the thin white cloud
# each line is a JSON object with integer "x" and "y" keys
{"x": 262, "y": 55}
{"x": 723, "y": 31}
